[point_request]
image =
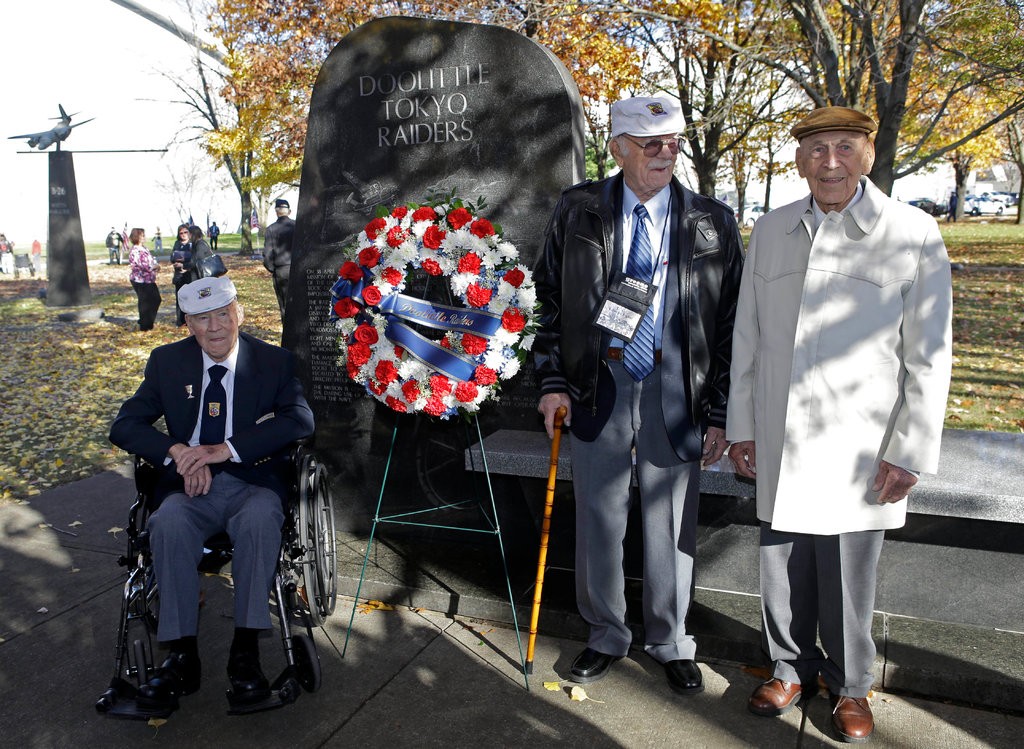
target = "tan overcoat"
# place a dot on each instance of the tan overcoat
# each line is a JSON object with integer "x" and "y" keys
{"x": 842, "y": 352}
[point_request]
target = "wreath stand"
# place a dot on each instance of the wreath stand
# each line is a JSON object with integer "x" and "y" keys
{"x": 413, "y": 518}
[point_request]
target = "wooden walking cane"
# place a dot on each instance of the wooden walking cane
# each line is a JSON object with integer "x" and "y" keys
{"x": 545, "y": 532}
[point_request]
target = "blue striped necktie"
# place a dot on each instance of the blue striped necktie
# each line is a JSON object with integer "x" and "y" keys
{"x": 638, "y": 355}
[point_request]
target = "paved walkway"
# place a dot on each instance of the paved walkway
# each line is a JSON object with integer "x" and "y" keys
{"x": 410, "y": 678}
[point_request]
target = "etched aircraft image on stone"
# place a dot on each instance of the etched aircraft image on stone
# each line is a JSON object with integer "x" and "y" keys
{"x": 55, "y": 134}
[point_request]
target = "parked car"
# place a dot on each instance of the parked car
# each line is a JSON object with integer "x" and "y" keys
{"x": 979, "y": 205}
{"x": 929, "y": 206}
{"x": 752, "y": 213}
{"x": 1008, "y": 198}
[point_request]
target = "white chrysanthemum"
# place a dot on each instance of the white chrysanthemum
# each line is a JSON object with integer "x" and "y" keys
{"x": 461, "y": 281}
{"x": 527, "y": 298}
{"x": 527, "y": 343}
{"x": 508, "y": 250}
{"x": 494, "y": 359}
{"x": 511, "y": 368}
{"x": 503, "y": 296}
{"x": 506, "y": 337}
{"x": 412, "y": 369}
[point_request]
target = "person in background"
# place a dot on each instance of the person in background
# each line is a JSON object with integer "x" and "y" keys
{"x": 181, "y": 260}
{"x": 841, "y": 360}
{"x": 6, "y": 255}
{"x": 214, "y": 233}
{"x": 142, "y": 269}
{"x": 277, "y": 251}
{"x": 222, "y": 458}
{"x": 37, "y": 257}
{"x": 158, "y": 242}
{"x": 115, "y": 246}
{"x": 200, "y": 251}
{"x": 637, "y": 284}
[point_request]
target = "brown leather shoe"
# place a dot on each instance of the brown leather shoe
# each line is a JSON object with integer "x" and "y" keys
{"x": 851, "y": 717}
{"x": 774, "y": 697}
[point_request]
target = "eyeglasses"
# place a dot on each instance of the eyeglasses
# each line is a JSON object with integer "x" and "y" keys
{"x": 653, "y": 147}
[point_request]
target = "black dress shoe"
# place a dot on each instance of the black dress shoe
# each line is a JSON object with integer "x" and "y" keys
{"x": 684, "y": 676}
{"x": 591, "y": 665}
{"x": 179, "y": 675}
{"x": 248, "y": 683}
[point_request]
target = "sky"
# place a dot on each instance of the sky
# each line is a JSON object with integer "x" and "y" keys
{"x": 103, "y": 61}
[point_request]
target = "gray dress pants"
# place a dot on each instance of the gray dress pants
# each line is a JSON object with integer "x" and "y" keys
{"x": 823, "y": 586}
{"x": 669, "y": 492}
{"x": 252, "y": 517}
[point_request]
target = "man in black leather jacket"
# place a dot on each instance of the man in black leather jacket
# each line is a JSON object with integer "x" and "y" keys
{"x": 650, "y": 401}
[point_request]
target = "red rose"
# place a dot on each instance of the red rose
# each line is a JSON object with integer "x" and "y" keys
{"x": 392, "y": 276}
{"x": 512, "y": 319}
{"x": 399, "y": 352}
{"x": 481, "y": 228}
{"x": 351, "y": 271}
{"x": 459, "y": 218}
{"x": 469, "y": 263}
{"x": 430, "y": 266}
{"x": 399, "y": 212}
{"x": 353, "y": 370}
{"x": 433, "y": 237}
{"x": 514, "y": 277}
{"x": 377, "y": 388}
{"x": 440, "y": 385}
{"x": 466, "y": 392}
{"x": 485, "y": 376}
{"x": 346, "y": 308}
{"x": 365, "y": 334}
{"x": 424, "y": 213}
{"x": 396, "y": 235}
{"x": 374, "y": 228}
{"x": 386, "y": 372}
{"x": 445, "y": 343}
{"x": 369, "y": 257}
{"x": 477, "y": 296}
{"x": 411, "y": 390}
{"x": 473, "y": 344}
{"x": 371, "y": 295}
{"x": 396, "y": 405}
{"x": 358, "y": 354}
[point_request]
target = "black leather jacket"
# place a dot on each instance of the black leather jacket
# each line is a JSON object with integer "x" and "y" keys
{"x": 582, "y": 245}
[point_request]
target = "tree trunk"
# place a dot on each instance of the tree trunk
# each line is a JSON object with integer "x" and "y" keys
{"x": 246, "y": 204}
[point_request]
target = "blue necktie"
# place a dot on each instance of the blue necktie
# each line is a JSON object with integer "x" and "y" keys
{"x": 215, "y": 409}
{"x": 638, "y": 355}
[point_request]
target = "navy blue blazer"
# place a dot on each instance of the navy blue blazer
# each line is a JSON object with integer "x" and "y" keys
{"x": 269, "y": 411}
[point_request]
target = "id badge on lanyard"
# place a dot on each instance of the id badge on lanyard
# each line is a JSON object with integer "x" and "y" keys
{"x": 624, "y": 305}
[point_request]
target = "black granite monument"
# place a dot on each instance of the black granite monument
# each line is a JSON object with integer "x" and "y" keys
{"x": 68, "y": 284}
{"x": 404, "y": 108}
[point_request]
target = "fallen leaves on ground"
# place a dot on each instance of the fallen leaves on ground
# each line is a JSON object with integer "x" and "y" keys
{"x": 552, "y": 686}
{"x": 366, "y": 608}
{"x": 579, "y": 694}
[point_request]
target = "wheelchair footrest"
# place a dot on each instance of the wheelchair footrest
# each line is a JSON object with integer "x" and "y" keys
{"x": 283, "y": 692}
{"x": 119, "y": 702}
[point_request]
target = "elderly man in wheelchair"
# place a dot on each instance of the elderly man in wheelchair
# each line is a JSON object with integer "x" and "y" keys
{"x": 233, "y": 409}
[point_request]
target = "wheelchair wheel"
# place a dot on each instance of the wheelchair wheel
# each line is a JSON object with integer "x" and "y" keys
{"x": 316, "y": 536}
{"x": 307, "y": 662}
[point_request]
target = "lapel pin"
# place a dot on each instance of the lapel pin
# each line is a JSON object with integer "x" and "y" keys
{"x": 188, "y": 392}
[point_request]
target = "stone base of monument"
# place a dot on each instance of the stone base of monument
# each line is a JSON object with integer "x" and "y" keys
{"x": 82, "y": 314}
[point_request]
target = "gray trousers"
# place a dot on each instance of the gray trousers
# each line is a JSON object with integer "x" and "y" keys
{"x": 823, "y": 586}
{"x": 252, "y": 517}
{"x": 669, "y": 492}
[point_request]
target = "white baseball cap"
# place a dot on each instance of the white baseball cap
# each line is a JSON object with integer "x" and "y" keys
{"x": 206, "y": 294}
{"x": 646, "y": 115}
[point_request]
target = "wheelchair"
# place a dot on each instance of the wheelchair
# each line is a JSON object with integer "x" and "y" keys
{"x": 304, "y": 592}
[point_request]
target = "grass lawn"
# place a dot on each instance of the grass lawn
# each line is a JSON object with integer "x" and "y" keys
{"x": 65, "y": 381}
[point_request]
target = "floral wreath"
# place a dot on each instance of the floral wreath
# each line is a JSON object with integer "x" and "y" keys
{"x": 481, "y": 343}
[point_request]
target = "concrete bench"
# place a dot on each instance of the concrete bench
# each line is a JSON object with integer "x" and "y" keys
{"x": 980, "y": 473}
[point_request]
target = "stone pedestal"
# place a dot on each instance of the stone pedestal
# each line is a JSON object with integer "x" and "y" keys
{"x": 68, "y": 284}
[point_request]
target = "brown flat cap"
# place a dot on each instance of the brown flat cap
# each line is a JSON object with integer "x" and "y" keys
{"x": 833, "y": 118}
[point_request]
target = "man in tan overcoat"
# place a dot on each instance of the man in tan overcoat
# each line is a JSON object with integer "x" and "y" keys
{"x": 840, "y": 372}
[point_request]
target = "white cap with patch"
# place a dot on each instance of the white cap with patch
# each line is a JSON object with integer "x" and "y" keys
{"x": 646, "y": 115}
{"x": 206, "y": 294}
